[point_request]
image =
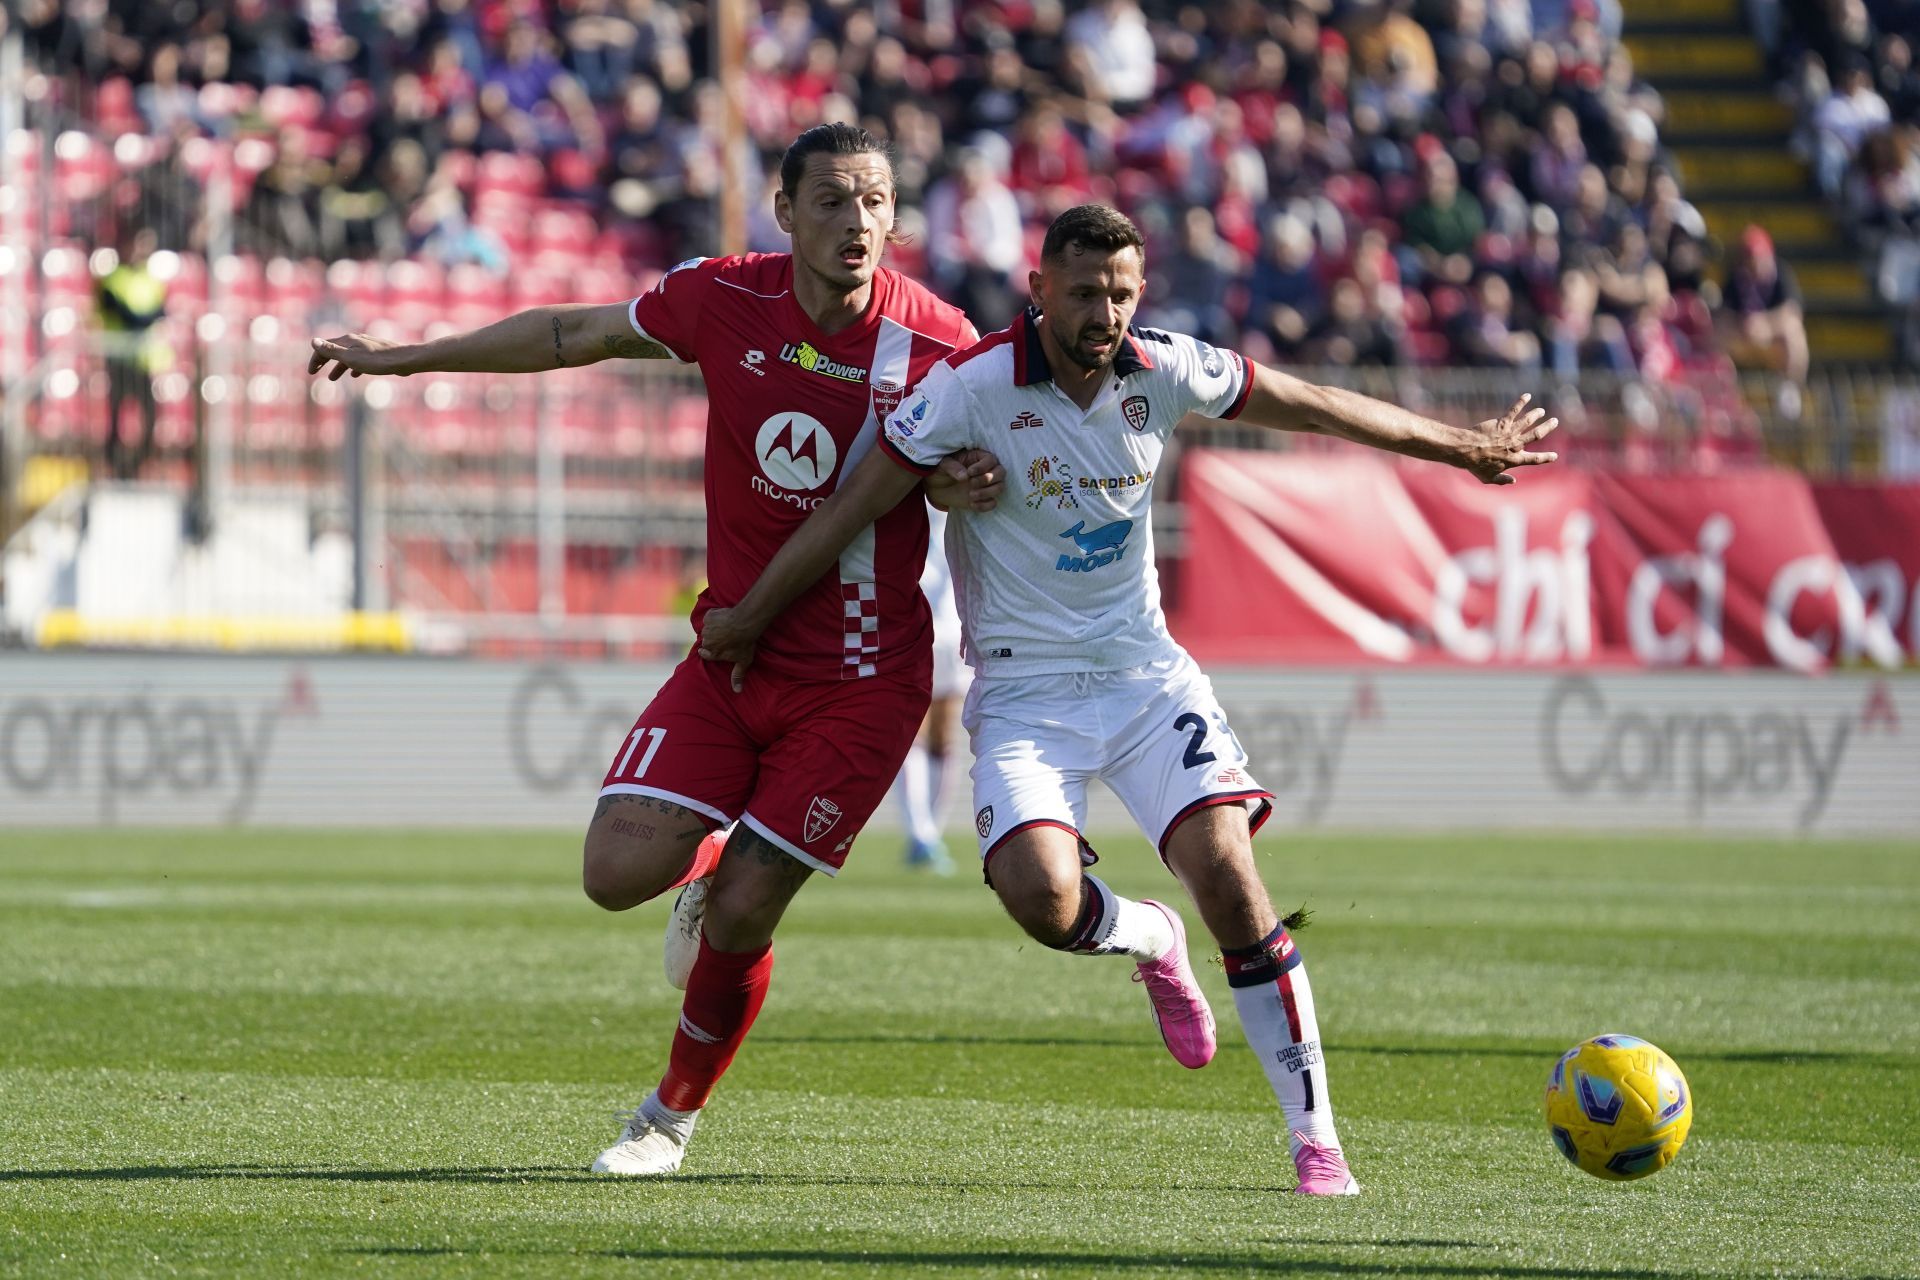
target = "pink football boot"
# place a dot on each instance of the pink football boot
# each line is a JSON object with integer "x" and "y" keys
{"x": 1186, "y": 1023}
{"x": 1323, "y": 1170}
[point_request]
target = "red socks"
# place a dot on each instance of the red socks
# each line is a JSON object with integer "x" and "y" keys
{"x": 724, "y": 995}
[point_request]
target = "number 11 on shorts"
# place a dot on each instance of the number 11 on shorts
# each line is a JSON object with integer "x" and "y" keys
{"x": 654, "y": 738}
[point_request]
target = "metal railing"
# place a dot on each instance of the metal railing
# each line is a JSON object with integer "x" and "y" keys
{"x": 566, "y": 510}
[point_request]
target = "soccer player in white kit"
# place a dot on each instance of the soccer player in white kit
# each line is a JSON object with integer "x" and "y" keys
{"x": 1076, "y": 675}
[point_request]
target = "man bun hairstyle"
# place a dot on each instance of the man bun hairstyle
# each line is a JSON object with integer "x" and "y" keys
{"x": 834, "y": 139}
{"x": 1091, "y": 228}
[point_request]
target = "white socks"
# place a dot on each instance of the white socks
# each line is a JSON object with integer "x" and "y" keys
{"x": 1275, "y": 1001}
{"x": 1112, "y": 925}
{"x": 678, "y": 1123}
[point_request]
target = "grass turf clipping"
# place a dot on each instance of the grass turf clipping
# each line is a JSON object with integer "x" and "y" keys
{"x": 395, "y": 1053}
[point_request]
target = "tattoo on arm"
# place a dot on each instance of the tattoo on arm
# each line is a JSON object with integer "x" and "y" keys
{"x": 558, "y": 359}
{"x": 631, "y": 346}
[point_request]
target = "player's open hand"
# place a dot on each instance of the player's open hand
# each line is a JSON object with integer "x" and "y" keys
{"x": 970, "y": 480}
{"x": 724, "y": 639}
{"x": 1503, "y": 442}
{"x": 357, "y": 353}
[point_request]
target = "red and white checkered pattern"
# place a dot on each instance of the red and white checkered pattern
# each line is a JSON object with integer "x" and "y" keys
{"x": 862, "y": 639}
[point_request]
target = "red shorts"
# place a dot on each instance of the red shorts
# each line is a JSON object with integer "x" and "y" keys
{"x": 804, "y": 764}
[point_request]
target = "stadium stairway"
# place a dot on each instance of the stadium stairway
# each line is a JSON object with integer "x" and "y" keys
{"x": 1730, "y": 134}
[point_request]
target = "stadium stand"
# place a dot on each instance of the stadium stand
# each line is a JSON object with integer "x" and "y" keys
{"x": 1845, "y": 70}
{"x": 1416, "y": 146}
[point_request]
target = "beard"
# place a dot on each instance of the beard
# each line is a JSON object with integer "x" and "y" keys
{"x": 1071, "y": 345}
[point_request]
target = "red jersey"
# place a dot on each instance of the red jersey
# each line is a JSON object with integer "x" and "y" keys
{"x": 790, "y": 410}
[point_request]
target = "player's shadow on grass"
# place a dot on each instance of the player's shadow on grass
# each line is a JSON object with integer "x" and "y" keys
{"x": 938, "y": 1038}
{"x": 995, "y": 1260}
{"x": 541, "y": 1173}
{"x": 1773, "y": 1057}
{"x": 300, "y": 1173}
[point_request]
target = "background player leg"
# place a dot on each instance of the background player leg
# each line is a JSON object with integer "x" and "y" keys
{"x": 1211, "y": 851}
{"x": 942, "y": 716}
{"x": 921, "y": 787}
{"x": 1042, "y": 884}
{"x": 751, "y": 889}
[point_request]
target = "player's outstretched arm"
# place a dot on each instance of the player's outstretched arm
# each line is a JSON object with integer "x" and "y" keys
{"x": 876, "y": 486}
{"x": 527, "y": 342}
{"x": 1489, "y": 450}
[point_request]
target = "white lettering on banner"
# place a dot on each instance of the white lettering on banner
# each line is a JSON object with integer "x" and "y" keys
{"x": 1706, "y": 755}
{"x": 1817, "y": 575}
{"x": 1699, "y": 638}
{"x": 1870, "y": 598}
{"x": 1882, "y": 591}
{"x": 1555, "y": 589}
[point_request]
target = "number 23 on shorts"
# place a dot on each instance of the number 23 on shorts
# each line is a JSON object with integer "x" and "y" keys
{"x": 1196, "y": 724}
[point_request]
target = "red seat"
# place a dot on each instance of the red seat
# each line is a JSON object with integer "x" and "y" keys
{"x": 508, "y": 172}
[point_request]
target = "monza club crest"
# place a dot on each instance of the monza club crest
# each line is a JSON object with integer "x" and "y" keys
{"x": 1135, "y": 410}
{"x": 886, "y": 397}
{"x": 822, "y": 815}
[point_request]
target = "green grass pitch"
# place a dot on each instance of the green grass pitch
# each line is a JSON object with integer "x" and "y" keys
{"x": 394, "y": 1054}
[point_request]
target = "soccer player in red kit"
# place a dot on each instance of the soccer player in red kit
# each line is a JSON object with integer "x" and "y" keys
{"x": 804, "y": 354}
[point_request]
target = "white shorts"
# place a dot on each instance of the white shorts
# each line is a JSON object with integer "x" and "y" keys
{"x": 1154, "y": 734}
{"x": 951, "y": 674}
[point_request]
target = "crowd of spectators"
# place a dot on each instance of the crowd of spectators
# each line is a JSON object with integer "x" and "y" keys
{"x": 1850, "y": 67}
{"x": 1382, "y": 182}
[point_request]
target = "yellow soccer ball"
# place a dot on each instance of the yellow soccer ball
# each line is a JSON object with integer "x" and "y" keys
{"x": 1618, "y": 1107}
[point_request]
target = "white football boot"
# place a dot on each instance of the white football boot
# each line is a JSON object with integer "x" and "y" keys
{"x": 647, "y": 1148}
{"x": 683, "y": 931}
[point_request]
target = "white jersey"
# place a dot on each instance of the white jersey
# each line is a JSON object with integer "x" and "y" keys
{"x": 936, "y": 578}
{"x": 1060, "y": 576}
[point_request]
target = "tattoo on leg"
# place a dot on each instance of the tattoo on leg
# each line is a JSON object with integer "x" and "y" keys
{"x": 664, "y": 817}
{"x": 559, "y": 360}
{"x": 749, "y": 845}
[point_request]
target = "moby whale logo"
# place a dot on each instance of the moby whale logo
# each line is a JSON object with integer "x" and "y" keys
{"x": 1098, "y": 547}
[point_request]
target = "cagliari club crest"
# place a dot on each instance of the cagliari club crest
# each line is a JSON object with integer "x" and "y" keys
{"x": 983, "y": 821}
{"x": 822, "y": 815}
{"x": 1135, "y": 409}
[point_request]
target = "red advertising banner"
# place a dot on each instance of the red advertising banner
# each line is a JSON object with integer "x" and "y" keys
{"x": 1346, "y": 557}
